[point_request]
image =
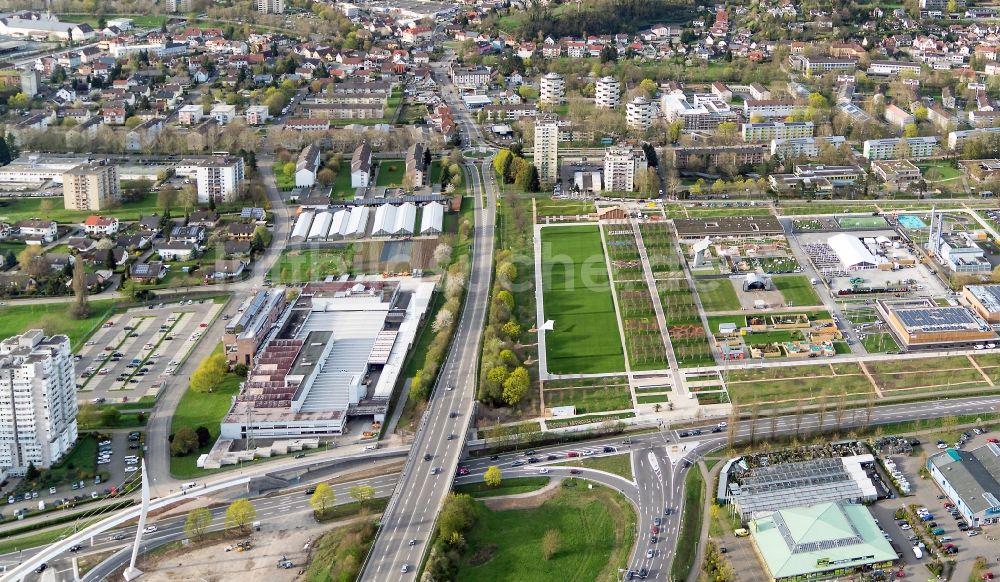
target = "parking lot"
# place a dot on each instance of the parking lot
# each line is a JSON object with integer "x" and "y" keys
{"x": 114, "y": 469}
{"x": 926, "y": 494}
{"x": 135, "y": 353}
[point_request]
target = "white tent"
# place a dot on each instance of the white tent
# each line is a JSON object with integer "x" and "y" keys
{"x": 406, "y": 218}
{"x": 301, "y": 230}
{"x": 385, "y": 221}
{"x": 358, "y": 223}
{"x": 432, "y": 218}
{"x": 853, "y": 254}
{"x": 320, "y": 226}
{"x": 339, "y": 223}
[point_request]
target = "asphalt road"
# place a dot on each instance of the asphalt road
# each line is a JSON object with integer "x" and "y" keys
{"x": 425, "y": 483}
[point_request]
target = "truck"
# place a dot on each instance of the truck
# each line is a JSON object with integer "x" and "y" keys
{"x": 918, "y": 552}
{"x": 186, "y": 486}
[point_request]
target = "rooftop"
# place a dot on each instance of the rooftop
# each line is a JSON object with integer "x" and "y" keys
{"x": 974, "y": 475}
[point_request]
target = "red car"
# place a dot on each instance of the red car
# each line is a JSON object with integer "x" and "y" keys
{"x": 203, "y": 325}
{"x": 572, "y": 454}
{"x": 987, "y": 575}
{"x": 992, "y": 440}
{"x": 574, "y": 471}
{"x": 900, "y": 574}
{"x": 463, "y": 471}
{"x": 654, "y": 530}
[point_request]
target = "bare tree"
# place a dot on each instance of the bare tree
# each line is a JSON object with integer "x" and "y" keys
{"x": 754, "y": 414}
{"x": 734, "y": 418}
{"x": 821, "y": 414}
{"x": 798, "y": 417}
{"x": 841, "y": 408}
{"x": 869, "y": 406}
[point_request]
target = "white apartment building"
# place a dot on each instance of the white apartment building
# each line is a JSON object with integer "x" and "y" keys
{"x": 607, "y": 93}
{"x": 270, "y": 6}
{"x": 91, "y": 186}
{"x": 639, "y": 113}
{"x": 190, "y": 114}
{"x": 804, "y": 146}
{"x": 179, "y": 5}
{"x": 547, "y": 149}
{"x": 767, "y": 131}
{"x": 957, "y": 139}
{"x": 219, "y": 179}
{"x": 256, "y": 115}
{"x": 552, "y": 89}
{"x": 223, "y": 113}
{"x": 705, "y": 112}
{"x": 893, "y": 68}
{"x": 898, "y": 117}
{"x": 888, "y": 149}
{"x": 771, "y": 107}
{"x": 37, "y": 401}
{"x": 621, "y": 165}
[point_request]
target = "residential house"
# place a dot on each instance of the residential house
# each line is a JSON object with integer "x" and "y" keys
{"x": 226, "y": 270}
{"x": 243, "y": 231}
{"x": 204, "y": 218}
{"x": 307, "y": 167}
{"x": 188, "y": 234}
{"x": 176, "y": 251}
{"x": 148, "y": 272}
{"x": 36, "y": 229}
{"x": 416, "y": 164}
{"x": 100, "y": 225}
{"x": 361, "y": 166}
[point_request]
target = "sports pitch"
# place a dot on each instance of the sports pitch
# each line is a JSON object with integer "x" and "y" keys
{"x": 576, "y": 295}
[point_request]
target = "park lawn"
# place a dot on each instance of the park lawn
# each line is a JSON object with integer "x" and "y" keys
{"x": 690, "y": 530}
{"x": 507, "y": 487}
{"x": 944, "y": 168}
{"x": 53, "y": 318}
{"x": 717, "y": 294}
{"x": 14, "y": 209}
{"x": 342, "y": 189}
{"x": 390, "y": 172}
{"x": 786, "y": 392}
{"x": 145, "y": 21}
{"x": 549, "y": 207}
{"x": 596, "y": 528}
{"x": 283, "y": 179}
{"x": 617, "y": 464}
{"x": 653, "y": 398}
{"x": 196, "y": 409}
{"x": 299, "y": 266}
{"x": 577, "y": 296}
{"x": 588, "y": 400}
{"x": 797, "y": 290}
{"x": 876, "y": 343}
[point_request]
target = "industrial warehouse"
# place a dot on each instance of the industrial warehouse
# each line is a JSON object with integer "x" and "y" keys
{"x": 335, "y": 352}
{"x": 972, "y": 480}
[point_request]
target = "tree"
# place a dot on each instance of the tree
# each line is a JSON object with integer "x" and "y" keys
{"x": 166, "y": 198}
{"x": 209, "y": 373}
{"x": 80, "y": 308}
{"x": 198, "y": 520}
{"x": 240, "y": 514}
{"x": 362, "y": 493}
{"x": 204, "y": 436}
{"x": 326, "y": 176}
{"x": 911, "y": 130}
{"x": 88, "y": 415}
{"x": 442, "y": 255}
{"x": 516, "y": 386}
{"x": 648, "y": 86}
{"x": 818, "y": 101}
{"x": 492, "y": 476}
{"x": 502, "y": 162}
{"x": 110, "y": 417}
{"x": 457, "y": 514}
{"x": 18, "y": 101}
{"x": 184, "y": 442}
{"x": 323, "y": 498}
{"x": 32, "y": 472}
{"x": 10, "y": 259}
{"x": 29, "y": 261}
{"x": 527, "y": 177}
{"x": 444, "y": 319}
{"x": 550, "y": 543}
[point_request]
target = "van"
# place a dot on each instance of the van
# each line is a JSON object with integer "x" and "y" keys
{"x": 741, "y": 532}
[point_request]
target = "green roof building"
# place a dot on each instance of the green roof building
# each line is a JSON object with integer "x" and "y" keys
{"x": 825, "y": 540}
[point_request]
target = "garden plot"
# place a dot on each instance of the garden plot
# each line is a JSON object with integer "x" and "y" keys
{"x": 926, "y": 374}
{"x": 599, "y": 395}
{"x": 784, "y": 387}
{"x": 644, "y": 342}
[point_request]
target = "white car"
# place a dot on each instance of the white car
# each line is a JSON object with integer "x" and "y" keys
{"x": 131, "y": 469}
{"x": 543, "y": 471}
{"x": 149, "y": 529}
{"x": 905, "y": 526}
{"x": 404, "y": 569}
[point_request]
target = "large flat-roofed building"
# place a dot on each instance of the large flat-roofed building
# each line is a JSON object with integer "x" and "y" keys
{"x": 890, "y": 148}
{"x": 820, "y": 541}
{"x": 732, "y": 226}
{"x": 984, "y": 300}
{"x": 37, "y": 401}
{"x": 716, "y": 155}
{"x": 962, "y": 255}
{"x": 245, "y": 334}
{"x": 816, "y": 177}
{"x": 766, "y": 131}
{"x": 809, "y": 147}
{"x": 338, "y": 353}
{"x": 899, "y": 172}
{"x": 972, "y": 480}
{"x": 91, "y": 186}
{"x": 219, "y": 179}
{"x": 929, "y": 326}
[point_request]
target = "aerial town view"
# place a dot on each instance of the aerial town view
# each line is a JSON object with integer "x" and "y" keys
{"x": 499, "y": 290}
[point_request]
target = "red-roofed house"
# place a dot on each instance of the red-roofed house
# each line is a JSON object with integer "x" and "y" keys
{"x": 100, "y": 225}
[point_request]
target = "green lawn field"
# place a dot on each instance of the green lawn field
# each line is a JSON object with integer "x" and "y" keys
{"x": 14, "y": 209}
{"x": 717, "y": 294}
{"x": 53, "y": 318}
{"x": 590, "y": 399}
{"x": 577, "y": 296}
{"x": 596, "y": 528}
{"x": 342, "y": 185}
{"x": 196, "y": 409}
{"x": 511, "y": 486}
{"x": 617, "y": 464}
{"x": 797, "y": 290}
{"x": 390, "y": 173}
{"x": 311, "y": 265}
